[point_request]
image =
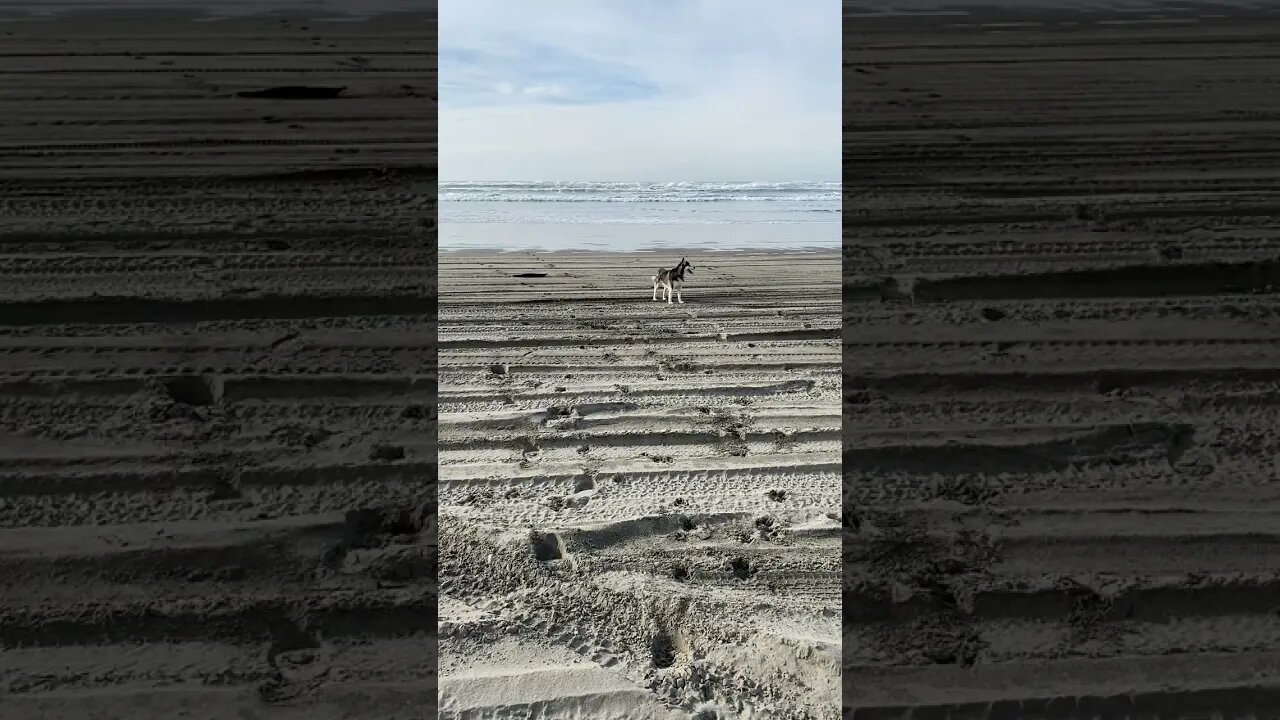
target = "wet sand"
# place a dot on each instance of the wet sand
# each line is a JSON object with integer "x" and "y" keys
{"x": 639, "y": 505}
{"x": 1060, "y": 363}
{"x": 216, "y": 369}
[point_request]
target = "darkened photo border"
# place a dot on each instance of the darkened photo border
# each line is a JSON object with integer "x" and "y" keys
{"x": 1060, "y": 360}
{"x": 217, "y": 360}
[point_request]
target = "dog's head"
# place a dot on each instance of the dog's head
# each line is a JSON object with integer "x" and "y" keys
{"x": 685, "y": 266}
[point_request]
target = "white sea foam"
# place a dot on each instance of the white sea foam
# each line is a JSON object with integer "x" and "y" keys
{"x": 639, "y": 192}
{"x": 603, "y": 215}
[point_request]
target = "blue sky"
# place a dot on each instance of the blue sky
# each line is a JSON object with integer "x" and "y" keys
{"x": 640, "y": 90}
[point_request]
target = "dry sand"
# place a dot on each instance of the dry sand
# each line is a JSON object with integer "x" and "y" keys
{"x": 1061, "y": 460}
{"x": 198, "y": 358}
{"x": 639, "y": 504}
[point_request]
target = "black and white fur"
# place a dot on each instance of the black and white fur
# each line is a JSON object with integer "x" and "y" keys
{"x": 671, "y": 280}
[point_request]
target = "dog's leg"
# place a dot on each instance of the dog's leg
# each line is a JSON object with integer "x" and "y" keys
{"x": 679, "y": 297}
{"x": 655, "y": 288}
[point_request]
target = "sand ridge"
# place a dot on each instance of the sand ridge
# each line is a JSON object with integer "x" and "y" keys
{"x": 645, "y": 492}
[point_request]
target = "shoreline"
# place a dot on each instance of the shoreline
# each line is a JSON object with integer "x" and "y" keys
{"x": 643, "y": 251}
{"x": 638, "y": 237}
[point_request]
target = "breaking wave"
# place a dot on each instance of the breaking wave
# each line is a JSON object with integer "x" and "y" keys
{"x": 621, "y": 192}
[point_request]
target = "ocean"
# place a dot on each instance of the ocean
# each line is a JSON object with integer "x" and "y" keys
{"x": 633, "y": 216}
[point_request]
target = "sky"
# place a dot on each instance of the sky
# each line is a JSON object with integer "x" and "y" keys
{"x": 643, "y": 90}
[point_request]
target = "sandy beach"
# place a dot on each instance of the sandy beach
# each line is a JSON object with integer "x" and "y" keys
{"x": 1060, "y": 458}
{"x": 216, "y": 369}
{"x": 639, "y": 510}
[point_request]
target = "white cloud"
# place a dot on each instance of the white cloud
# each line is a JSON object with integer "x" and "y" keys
{"x": 545, "y": 90}
{"x": 705, "y": 90}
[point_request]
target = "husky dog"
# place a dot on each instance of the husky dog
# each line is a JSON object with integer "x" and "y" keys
{"x": 670, "y": 280}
